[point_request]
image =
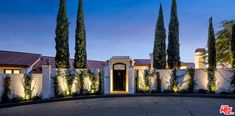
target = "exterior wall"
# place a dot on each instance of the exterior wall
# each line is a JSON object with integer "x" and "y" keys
{"x": 62, "y": 83}
{"x": 199, "y": 60}
{"x": 115, "y": 60}
{"x": 200, "y": 77}
{"x": 37, "y": 85}
{"x": 188, "y": 66}
{"x": 22, "y": 69}
{"x": 107, "y": 88}
{"x": 17, "y": 85}
{"x": 165, "y": 76}
{"x": 183, "y": 67}
{"x": 151, "y": 59}
{"x": 141, "y": 68}
{"x": 223, "y": 79}
{"x": 40, "y": 81}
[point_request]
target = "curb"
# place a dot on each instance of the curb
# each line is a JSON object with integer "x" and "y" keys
{"x": 51, "y": 100}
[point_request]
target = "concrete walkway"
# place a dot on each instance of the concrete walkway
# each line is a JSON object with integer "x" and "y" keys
{"x": 125, "y": 106}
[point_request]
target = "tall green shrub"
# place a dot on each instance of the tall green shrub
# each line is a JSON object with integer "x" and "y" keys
{"x": 159, "y": 84}
{"x": 173, "y": 50}
{"x": 56, "y": 86}
{"x": 211, "y": 57}
{"x": 137, "y": 81}
{"x": 69, "y": 82}
{"x": 147, "y": 82}
{"x": 175, "y": 87}
{"x": 84, "y": 73}
{"x": 159, "y": 50}
{"x": 94, "y": 82}
{"x": 192, "y": 82}
{"x": 223, "y": 46}
{"x": 27, "y": 87}
{"x": 232, "y": 49}
{"x": 80, "y": 40}
{"x": 6, "y": 89}
{"x": 62, "y": 38}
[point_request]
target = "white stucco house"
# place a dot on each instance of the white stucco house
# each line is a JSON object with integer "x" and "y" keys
{"x": 120, "y": 71}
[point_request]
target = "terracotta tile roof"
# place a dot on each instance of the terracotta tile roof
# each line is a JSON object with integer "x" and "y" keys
{"x": 21, "y": 59}
{"x": 187, "y": 64}
{"x": 17, "y": 59}
{"x": 200, "y": 50}
{"x": 142, "y": 62}
{"x": 95, "y": 64}
{"x": 91, "y": 64}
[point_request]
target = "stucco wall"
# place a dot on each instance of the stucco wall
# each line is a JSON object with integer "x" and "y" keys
{"x": 62, "y": 83}
{"x": 36, "y": 85}
{"x": 223, "y": 79}
{"x": 17, "y": 85}
{"x": 166, "y": 80}
{"x": 200, "y": 77}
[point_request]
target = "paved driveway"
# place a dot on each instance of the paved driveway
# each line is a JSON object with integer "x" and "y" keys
{"x": 126, "y": 106}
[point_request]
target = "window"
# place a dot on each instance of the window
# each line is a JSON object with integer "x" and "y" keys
{"x": 16, "y": 71}
{"x": 8, "y": 71}
{"x": 12, "y": 71}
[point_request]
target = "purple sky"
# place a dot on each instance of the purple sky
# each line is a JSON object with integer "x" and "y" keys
{"x": 114, "y": 27}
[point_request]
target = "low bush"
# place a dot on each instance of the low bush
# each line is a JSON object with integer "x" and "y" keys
{"x": 184, "y": 91}
{"x": 17, "y": 99}
{"x": 36, "y": 98}
{"x": 27, "y": 87}
{"x": 225, "y": 93}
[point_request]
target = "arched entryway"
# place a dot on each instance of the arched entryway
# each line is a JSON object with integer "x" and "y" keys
{"x": 119, "y": 77}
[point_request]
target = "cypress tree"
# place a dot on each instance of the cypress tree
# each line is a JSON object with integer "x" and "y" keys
{"x": 232, "y": 48}
{"x": 211, "y": 46}
{"x": 80, "y": 40}
{"x": 173, "y": 50}
{"x": 211, "y": 57}
{"x": 159, "y": 50}
{"x": 61, "y": 39}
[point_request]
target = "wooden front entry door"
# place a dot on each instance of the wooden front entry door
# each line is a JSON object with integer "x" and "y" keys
{"x": 119, "y": 77}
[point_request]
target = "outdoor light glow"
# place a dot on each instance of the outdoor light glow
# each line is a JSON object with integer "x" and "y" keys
{"x": 127, "y": 81}
{"x": 153, "y": 57}
{"x": 175, "y": 89}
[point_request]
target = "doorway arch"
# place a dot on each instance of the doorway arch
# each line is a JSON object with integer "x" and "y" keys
{"x": 119, "y": 77}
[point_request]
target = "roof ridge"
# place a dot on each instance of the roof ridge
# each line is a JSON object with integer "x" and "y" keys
{"x": 96, "y": 60}
{"x": 73, "y": 59}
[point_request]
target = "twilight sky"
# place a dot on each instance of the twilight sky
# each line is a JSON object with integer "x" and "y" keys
{"x": 114, "y": 27}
